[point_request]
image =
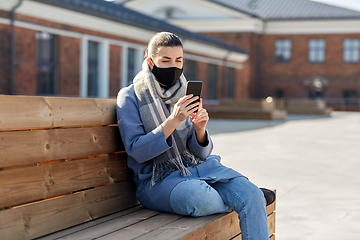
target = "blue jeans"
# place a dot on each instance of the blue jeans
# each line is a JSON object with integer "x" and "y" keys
{"x": 198, "y": 198}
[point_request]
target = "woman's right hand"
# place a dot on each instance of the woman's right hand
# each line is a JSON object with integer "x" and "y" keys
{"x": 182, "y": 109}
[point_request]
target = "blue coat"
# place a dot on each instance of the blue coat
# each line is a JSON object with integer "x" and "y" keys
{"x": 142, "y": 148}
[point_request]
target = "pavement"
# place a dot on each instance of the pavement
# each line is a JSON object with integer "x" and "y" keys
{"x": 313, "y": 162}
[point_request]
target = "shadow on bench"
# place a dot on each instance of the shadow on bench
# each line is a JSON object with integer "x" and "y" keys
{"x": 63, "y": 174}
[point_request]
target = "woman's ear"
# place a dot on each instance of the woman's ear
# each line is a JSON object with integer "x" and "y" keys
{"x": 150, "y": 63}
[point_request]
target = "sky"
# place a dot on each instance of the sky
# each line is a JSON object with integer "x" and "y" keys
{"x": 350, "y": 4}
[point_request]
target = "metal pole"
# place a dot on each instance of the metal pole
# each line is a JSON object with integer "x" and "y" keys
{"x": 12, "y": 48}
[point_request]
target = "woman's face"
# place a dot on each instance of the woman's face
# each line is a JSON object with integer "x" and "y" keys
{"x": 168, "y": 57}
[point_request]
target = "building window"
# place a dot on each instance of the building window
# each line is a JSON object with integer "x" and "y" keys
{"x": 314, "y": 94}
{"x": 94, "y": 72}
{"x": 93, "y": 69}
{"x": 351, "y": 50}
{"x": 279, "y": 93}
{"x": 131, "y": 65}
{"x": 282, "y": 51}
{"x": 190, "y": 70}
{"x": 231, "y": 83}
{"x": 351, "y": 97}
{"x": 317, "y": 51}
{"x": 47, "y": 63}
{"x": 212, "y": 90}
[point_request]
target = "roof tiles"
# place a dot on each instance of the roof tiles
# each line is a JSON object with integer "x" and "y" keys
{"x": 289, "y": 9}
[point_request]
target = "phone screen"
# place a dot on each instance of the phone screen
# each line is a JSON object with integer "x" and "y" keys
{"x": 194, "y": 87}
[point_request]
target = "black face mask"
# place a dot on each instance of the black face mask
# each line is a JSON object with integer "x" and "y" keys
{"x": 167, "y": 76}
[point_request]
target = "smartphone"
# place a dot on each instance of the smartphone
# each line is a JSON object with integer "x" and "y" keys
{"x": 194, "y": 87}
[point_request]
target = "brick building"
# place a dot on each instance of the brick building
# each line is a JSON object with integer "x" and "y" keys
{"x": 92, "y": 48}
{"x": 297, "y": 48}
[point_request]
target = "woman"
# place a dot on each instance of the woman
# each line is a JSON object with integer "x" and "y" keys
{"x": 169, "y": 147}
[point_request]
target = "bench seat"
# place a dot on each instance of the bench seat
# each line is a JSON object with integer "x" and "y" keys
{"x": 144, "y": 224}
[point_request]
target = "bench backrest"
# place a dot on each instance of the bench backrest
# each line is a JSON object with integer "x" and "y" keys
{"x": 62, "y": 163}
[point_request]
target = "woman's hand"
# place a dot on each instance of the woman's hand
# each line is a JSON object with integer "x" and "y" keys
{"x": 200, "y": 119}
{"x": 182, "y": 109}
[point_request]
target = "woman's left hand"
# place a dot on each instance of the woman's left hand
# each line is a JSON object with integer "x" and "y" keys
{"x": 200, "y": 119}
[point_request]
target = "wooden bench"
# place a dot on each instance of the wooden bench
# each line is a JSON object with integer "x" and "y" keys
{"x": 63, "y": 174}
{"x": 301, "y": 106}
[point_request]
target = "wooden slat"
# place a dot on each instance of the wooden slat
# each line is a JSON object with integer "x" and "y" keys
{"x": 271, "y": 223}
{"x": 142, "y": 227}
{"x": 114, "y": 225}
{"x": 40, "y": 218}
{"x": 225, "y": 227}
{"x": 178, "y": 228}
{"x": 271, "y": 208}
{"x": 82, "y": 111}
{"x": 25, "y": 112}
{"x": 24, "y": 185}
{"x": 27, "y": 147}
{"x": 89, "y": 226}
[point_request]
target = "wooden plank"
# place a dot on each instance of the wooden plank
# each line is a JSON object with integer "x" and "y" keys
{"x": 142, "y": 227}
{"x": 180, "y": 227}
{"x": 24, "y": 185}
{"x": 82, "y": 111}
{"x": 116, "y": 224}
{"x": 88, "y": 226}
{"x": 28, "y": 147}
{"x": 271, "y": 223}
{"x": 24, "y": 112}
{"x": 225, "y": 227}
{"x": 29, "y": 112}
{"x": 272, "y": 207}
{"x": 40, "y": 218}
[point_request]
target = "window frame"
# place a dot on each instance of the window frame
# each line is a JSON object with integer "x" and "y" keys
{"x": 350, "y": 48}
{"x": 213, "y": 82}
{"x": 231, "y": 83}
{"x": 318, "y": 52}
{"x": 50, "y": 65}
{"x": 190, "y": 69}
{"x": 283, "y": 47}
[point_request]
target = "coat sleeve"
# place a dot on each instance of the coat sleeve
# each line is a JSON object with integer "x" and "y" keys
{"x": 141, "y": 146}
{"x": 198, "y": 150}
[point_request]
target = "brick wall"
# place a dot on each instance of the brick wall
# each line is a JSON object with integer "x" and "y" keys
{"x": 290, "y": 76}
{"x": 261, "y": 69}
{"x": 25, "y": 62}
{"x": 68, "y": 66}
{"x": 202, "y": 73}
{"x": 115, "y": 55}
{"x": 242, "y": 82}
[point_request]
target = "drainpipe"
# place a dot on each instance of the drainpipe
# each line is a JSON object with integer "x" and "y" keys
{"x": 12, "y": 48}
